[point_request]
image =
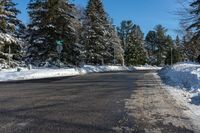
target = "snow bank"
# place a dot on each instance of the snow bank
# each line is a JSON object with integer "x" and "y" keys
{"x": 25, "y": 74}
{"x": 147, "y": 67}
{"x": 91, "y": 69}
{"x": 185, "y": 76}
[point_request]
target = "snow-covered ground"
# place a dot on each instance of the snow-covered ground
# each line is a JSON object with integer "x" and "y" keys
{"x": 185, "y": 76}
{"x": 147, "y": 67}
{"x": 182, "y": 80}
{"x": 38, "y": 73}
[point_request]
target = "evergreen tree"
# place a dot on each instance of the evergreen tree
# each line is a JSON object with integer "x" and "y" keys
{"x": 151, "y": 47}
{"x": 2, "y": 17}
{"x": 192, "y": 45}
{"x": 174, "y": 50}
{"x": 190, "y": 27}
{"x": 178, "y": 41}
{"x": 158, "y": 44}
{"x": 52, "y": 21}
{"x": 116, "y": 47}
{"x": 9, "y": 24}
{"x": 171, "y": 53}
{"x": 161, "y": 44}
{"x": 180, "y": 49}
{"x": 195, "y": 12}
{"x": 173, "y": 56}
{"x": 8, "y": 17}
{"x": 135, "y": 54}
{"x": 124, "y": 33}
{"x": 96, "y": 33}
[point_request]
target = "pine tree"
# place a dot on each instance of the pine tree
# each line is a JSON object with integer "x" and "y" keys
{"x": 195, "y": 12}
{"x": 52, "y": 21}
{"x": 178, "y": 41}
{"x": 2, "y": 17}
{"x": 192, "y": 46}
{"x": 116, "y": 47}
{"x": 180, "y": 49}
{"x": 151, "y": 47}
{"x": 173, "y": 57}
{"x": 158, "y": 44}
{"x": 171, "y": 52}
{"x": 161, "y": 44}
{"x": 124, "y": 33}
{"x": 8, "y": 20}
{"x": 135, "y": 54}
{"x": 96, "y": 33}
{"x": 9, "y": 24}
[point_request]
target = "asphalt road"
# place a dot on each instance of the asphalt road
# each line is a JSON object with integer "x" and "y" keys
{"x": 121, "y": 102}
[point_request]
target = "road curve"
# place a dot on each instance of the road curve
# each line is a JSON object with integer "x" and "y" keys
{"x": 118, "y": 102}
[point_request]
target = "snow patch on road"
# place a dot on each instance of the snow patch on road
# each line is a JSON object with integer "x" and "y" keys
{"x": 38, "y": 73}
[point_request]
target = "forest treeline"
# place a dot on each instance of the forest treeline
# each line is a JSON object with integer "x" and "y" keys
{"x": 61, "y": 34}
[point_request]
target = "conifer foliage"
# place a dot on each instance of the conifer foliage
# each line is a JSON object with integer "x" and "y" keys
{"x": 8, "y": 16}
{"x": 116, "y": 48}
{"x": 96, "y": 33}
{"x": 193, "y": 44}
{"x": 159, "y": 45}
{"x": 136, "y": 53}
{"x": 9, "y": 24}
{"x": 132, "y": 39}
{"x": 51, "y": 21}
{"x": 195, "y": 12}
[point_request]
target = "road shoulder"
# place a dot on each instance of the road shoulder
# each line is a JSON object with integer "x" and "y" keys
{"x": 182, "y": 100}
{"x": 154, "y": 110}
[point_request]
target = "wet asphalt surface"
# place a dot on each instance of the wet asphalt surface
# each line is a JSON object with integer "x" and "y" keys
{"x": 93, "y": 103}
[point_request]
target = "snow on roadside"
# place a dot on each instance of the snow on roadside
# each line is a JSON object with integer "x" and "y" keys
{"x": 182, "y": 81}
{"x": 185, "y": 76}
{"x": 91, "y": 69}
{"x": 182, "y": 98}
{"x": 25, "y": 74}
{"x": 147, "y": 67}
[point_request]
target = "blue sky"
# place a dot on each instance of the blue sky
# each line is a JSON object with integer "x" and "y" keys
{"x": 146, "y": 13}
